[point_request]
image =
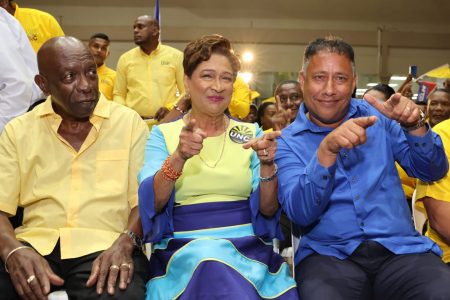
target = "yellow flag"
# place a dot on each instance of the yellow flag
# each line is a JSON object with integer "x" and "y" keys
{"x": 440, "y": 72}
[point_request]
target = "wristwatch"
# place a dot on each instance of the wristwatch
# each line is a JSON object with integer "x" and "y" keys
{"x": 137, "y": 241}
{"x": 420, "y": 123}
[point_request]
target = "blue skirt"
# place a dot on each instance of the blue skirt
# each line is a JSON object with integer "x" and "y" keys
{"x": 214, "y": 254}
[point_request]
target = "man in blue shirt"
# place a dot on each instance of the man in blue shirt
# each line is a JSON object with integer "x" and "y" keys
{"x": 339, "y": 184}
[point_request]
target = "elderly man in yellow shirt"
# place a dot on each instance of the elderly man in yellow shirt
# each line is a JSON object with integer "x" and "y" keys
{"x": 99, "y": 48}
{"x": 150, "y": 76}
{"x": 39, "y": 25}
{"x": 72, "y": 164}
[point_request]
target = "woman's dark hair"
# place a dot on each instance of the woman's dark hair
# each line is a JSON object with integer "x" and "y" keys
{"x": 200, "y": 50}
{"x": 261, "y": 109}
{"x": 383, "y": 88}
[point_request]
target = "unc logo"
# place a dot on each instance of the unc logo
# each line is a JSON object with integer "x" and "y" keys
{"x": 240, "y": 134}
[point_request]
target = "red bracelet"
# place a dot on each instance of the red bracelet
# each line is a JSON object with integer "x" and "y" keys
{"x": 168, "y": 172}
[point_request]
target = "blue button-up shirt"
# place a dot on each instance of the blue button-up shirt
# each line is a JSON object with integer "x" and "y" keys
{"x": 360, "y": 197}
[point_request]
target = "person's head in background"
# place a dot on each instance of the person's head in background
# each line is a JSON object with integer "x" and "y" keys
{"x": 447, "y": 84}
{"x": 438, "y": 108}
{"x": 266, "y": 111}
{"x": 381, "y": 91}
{"x": 290, "y": 96}
{"x": 252, "y": 114}
{"x": 99, "y": 48}
{"x": 146, "y": 33}
{"x": 8, "y": 6}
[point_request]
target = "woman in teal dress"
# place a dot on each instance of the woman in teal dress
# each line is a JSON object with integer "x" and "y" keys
{"x": 208, "y": 193}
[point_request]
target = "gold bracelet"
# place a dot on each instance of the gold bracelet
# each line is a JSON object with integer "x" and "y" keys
{"x": 12, "y": 252}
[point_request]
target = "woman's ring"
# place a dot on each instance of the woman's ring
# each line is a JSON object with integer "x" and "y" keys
{"x": 265, "y": 151}
{"x": 115, "y": 267}
{"x": 30, "y": 279}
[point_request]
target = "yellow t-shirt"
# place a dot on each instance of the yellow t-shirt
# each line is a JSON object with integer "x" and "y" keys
{"x": 241, "y": 99}
{"x": 81, "y": 198}
{"x": 147, "y": 82}
{"x": 408, "y": 183}
{"x": 39, "y": 25}
{"x": 106, "y": 79}
{"x": 439, "y": 190}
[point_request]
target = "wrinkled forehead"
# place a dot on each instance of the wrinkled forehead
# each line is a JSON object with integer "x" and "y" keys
{"x": 66, "y": 58}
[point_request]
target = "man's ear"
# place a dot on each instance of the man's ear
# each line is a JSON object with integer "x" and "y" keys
{"x": 301, "y": 78}
{"x": 42, "y": 83}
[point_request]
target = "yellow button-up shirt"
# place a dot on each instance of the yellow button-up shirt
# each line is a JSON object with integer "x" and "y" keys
{"x": 106, "y": 79}
{"x": 147, "y": 82}
{"x": 81, "y": 198}
{"x": 39, "y": 25}
{"x": 439, "y": 190}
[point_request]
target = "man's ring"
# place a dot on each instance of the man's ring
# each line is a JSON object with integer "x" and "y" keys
{"x": 30, "y": 279}
{"x": 125, "y": 265}
{"x": 408, "y": 108}
{"x": 115, "y": 267}
{"x": 265, "y": 151}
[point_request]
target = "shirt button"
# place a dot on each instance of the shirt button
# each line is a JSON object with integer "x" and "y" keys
{"x": 357, "y": 197}
{"x": 361, "y": 223}
{"x": 416, "y": 144}
{"x": 324, "y": 177}
{"x": 353, "y": 179}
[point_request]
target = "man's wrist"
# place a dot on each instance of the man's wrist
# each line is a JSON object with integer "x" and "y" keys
{"x": 419, "y": 124}
{"x": 134, "y": 238}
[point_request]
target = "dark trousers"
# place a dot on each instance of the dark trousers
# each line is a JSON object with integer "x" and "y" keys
{"x": 374, "y": 273}
{"x": 75, "y": 273}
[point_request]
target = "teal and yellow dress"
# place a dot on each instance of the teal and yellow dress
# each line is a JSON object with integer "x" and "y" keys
{"x": 210, "y": 241}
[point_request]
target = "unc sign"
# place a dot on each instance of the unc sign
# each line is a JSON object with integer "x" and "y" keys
{"x": 240, "y": 134}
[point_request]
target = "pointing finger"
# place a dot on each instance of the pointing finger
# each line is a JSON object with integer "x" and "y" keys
{"x": 190, "y": 125}
{"x": 374, "y": 102}
{"x": 365, "y": 122}
{"x": 271, "y": 135}
{"x": 250, "y": 143}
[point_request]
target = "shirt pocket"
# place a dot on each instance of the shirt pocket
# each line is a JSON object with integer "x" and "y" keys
{"x": 111, "y": 172}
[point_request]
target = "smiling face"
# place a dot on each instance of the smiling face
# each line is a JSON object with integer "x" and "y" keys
{"x": 328, "y": 83}
{"x": 291, "y": 96}
{"x": 438, "y": 107}
{"x": 211, "y": 85}
{"x": 70, "y": 77}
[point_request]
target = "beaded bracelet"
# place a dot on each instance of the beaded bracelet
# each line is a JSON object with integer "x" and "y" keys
{"x": 178, "y": 109}
{"x": 168, "y": 172}
{"x": 12, "y": 252}
{"x": 271, "y": 177}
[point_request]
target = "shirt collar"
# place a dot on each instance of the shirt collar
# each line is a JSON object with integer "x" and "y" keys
{"x": 102, "y": 67}
{"x": 302, "y": 123}
{"x": 151, "y": 53}
{"x": 102, "y": 109}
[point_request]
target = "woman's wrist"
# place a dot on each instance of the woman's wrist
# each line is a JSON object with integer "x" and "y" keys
{"x": 268, "y": 172}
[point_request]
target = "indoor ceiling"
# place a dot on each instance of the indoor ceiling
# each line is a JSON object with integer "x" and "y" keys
{"x": 402, "y": 11}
